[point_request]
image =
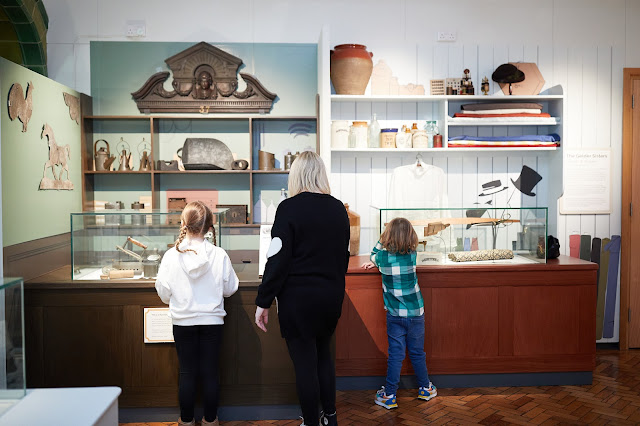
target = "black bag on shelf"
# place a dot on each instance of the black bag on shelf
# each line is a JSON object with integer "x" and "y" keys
{"x": 553, "y": 247}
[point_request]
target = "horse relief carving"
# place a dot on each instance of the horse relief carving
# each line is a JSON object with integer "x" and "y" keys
{"x": 204, "y": 79}
{"x": 58, "y": 156}
{"x": 20, "y": 107}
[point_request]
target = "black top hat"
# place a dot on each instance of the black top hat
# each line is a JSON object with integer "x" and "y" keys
{"x": 507, "y": 73}
{"x": 491, "y": 188}
{"x": 527, "y": 180}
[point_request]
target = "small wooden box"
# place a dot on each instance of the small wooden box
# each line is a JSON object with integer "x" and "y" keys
{"x": 235, "y": 213}
{"x": 175, "y": 205}
{"x": 437, "y": 87}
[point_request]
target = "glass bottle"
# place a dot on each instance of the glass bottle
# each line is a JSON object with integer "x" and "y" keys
{"x": 373, "y": 140}
{"x": 430, "y": 128}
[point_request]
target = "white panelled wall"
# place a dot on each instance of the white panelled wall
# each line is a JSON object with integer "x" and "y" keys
{"x": 581, "y": 45}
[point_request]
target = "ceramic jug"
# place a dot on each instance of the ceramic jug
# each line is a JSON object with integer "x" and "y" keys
{"x": 351, "y": 68}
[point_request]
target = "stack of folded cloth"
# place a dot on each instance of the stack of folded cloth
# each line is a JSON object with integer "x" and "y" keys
{"x": 503, "y": 112}
{"x": 524, "y": 141}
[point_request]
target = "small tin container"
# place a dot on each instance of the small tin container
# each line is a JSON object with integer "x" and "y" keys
{"x": 137, "y": 219}
{"x": 437, "y": 141}
{"x": 288, "y": 160}
{"x": 388, "y": 138}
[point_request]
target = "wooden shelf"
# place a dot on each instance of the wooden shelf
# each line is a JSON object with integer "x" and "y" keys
{"x": 270, "y": 172}
{"x": 443, "y": 150}
{"x": 112, "y": 172}
{"x": 187, "y": 172}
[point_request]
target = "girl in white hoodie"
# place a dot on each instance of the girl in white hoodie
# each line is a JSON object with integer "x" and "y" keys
{"x": 194, "y": 278}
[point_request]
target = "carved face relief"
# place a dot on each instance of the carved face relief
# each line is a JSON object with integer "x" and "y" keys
{"x": 205, "y": 80}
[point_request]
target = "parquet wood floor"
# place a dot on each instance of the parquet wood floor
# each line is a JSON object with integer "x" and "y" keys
{"x": 613, "y": 398}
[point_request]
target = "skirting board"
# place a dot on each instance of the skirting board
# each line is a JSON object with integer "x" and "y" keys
{"x": 573, "y": 378}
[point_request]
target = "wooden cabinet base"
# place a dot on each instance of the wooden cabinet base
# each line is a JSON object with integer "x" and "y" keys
{"x": 479, "y": 319}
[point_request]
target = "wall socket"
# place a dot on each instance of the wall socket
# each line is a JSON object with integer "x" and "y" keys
{"x": 446, "y": 36}
{"x": 136, "y": 29}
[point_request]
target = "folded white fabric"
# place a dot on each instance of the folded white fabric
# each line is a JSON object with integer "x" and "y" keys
{"x": 470, "y": 256}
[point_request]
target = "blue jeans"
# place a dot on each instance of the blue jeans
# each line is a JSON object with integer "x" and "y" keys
{"x": 405, "y": 333}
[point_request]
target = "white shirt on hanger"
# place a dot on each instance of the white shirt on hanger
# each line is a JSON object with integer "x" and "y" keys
{"x": 417, "y": 186}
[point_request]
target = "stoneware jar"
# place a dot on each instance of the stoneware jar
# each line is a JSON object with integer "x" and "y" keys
{"x": 420, "y": 139}
{"x": 358, "y": 134}
{"x": 339, "y": 134}
{"x": 351, "y": 67}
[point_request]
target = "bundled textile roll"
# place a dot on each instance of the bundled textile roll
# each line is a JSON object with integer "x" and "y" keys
{"x": 470, "y": 256}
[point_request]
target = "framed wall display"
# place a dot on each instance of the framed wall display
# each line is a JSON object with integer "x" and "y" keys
{"x": 157, "y": 326}
{"x": 587, "y": 181}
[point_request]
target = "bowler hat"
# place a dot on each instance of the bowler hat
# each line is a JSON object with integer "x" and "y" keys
{"x": 507, "y": 73}
{"x": 527, "y": 180}
{"x": 491, "y": 188}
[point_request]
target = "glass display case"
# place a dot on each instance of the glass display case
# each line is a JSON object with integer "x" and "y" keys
{"x": 473, "y": 235}
{"x": 125, "y": 244}
{"x": 12, "y": 367}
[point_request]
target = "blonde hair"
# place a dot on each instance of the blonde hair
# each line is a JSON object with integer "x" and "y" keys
{"x": 308, "y": 174}
{"x": 196, "y": 219}
{"x": 399, "y": 236}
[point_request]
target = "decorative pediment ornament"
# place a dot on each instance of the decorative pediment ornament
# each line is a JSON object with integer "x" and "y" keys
{"x": 204, "y": 80}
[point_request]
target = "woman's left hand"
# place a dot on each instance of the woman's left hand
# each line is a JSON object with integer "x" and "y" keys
{"x": 262, "y": 318}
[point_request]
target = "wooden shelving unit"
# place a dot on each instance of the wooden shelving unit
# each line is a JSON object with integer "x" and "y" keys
{"x": 149, "y": 127}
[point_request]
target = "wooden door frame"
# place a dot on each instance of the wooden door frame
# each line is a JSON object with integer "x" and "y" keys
{"x": 630, "y": 74}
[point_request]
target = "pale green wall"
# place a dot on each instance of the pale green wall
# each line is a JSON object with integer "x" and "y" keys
{"x": 27, "y": 212}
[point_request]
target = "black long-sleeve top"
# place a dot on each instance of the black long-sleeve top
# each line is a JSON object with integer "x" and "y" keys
{"x": 306, "y": 265}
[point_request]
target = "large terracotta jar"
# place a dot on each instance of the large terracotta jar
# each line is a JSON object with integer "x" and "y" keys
{"x": 351, "y": 67}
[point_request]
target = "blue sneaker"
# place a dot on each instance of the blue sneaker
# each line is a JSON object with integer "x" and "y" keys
{"x": 386, "y": 401}
{"x": 427, "y": 393}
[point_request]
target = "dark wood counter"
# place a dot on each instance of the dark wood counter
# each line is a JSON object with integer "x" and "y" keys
{"x": 479, "y": 319}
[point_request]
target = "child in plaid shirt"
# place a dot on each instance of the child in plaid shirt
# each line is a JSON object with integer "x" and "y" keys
{"x": 395, "y": 257}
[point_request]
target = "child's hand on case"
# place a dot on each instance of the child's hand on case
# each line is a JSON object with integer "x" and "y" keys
{"x": 368, "y": 265}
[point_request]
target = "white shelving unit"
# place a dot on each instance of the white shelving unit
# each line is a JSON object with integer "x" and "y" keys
{"x": 361, "y": 176}
{"x": 393, "y": 111}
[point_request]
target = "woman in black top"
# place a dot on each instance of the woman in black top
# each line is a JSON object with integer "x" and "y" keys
{"x": 306, "y": 265}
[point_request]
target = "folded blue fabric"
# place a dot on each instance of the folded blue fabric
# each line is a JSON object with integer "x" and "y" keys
{"x": 553, "y": 137}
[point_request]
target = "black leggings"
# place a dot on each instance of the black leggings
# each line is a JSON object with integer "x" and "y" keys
{"x": 315, "y": 376}
{"x": 198, "y": 348}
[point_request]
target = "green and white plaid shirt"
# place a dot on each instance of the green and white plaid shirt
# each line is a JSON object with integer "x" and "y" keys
{"x": 400, "y": 290}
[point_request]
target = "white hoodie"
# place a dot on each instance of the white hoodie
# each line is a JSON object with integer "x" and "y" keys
{"x": 195, "y": 285}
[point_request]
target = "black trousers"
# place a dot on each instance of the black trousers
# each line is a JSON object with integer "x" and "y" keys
{"x": 198, "y": 348}
{"x": 315, "y": 376}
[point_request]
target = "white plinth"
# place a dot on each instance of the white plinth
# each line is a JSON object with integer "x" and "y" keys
{"x": 65, "y": 406}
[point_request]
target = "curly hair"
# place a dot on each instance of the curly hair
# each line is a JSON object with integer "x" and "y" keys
{"x": 399, "y": 236}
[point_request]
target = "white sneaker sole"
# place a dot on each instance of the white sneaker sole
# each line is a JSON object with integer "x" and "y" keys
{"x": 382, "y": 404}
{"x": 427, "y": 398}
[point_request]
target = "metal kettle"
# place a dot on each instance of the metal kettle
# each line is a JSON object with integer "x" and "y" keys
{"x": 125, "y": 158}
{"x": 103, "y": 158}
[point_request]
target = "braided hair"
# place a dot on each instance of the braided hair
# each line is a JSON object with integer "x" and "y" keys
{"x": 196, "y": 219}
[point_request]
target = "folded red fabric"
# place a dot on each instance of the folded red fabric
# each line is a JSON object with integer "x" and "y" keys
{"x": 541, "y": 115}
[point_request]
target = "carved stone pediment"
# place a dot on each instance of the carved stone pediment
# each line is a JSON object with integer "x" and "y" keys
{"x": 205, "y": 79}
